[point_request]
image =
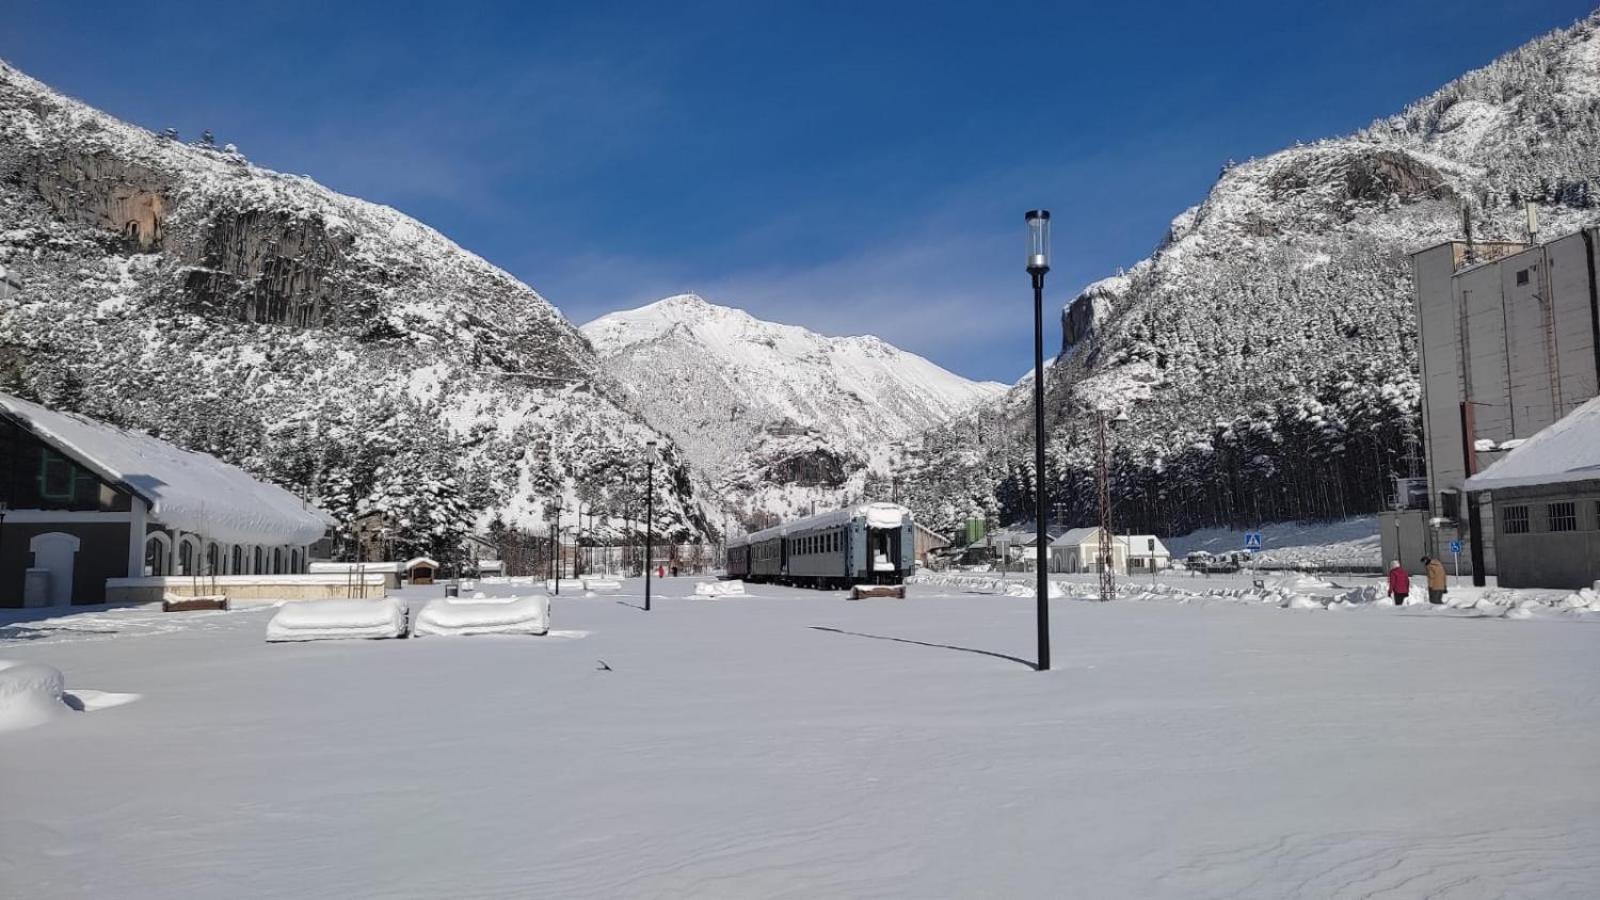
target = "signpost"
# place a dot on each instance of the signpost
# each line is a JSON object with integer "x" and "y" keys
{"x": 1455, "y": 550}
{"x": 1252, "y": 541}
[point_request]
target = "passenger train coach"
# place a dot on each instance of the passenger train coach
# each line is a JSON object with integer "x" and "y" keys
{"x": 873, "y": 543}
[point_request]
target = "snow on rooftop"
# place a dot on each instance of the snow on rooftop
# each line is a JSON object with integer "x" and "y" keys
{"x": 1568, "y": 450}
{"x": 185, "y": 490}
{"x": 878, "y": 515}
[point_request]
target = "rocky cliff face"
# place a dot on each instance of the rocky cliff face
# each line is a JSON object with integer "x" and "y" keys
{"x": 333, "y": 345}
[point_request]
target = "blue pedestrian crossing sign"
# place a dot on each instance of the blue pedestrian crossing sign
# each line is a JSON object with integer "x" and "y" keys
{"x": 1455, "y": 547}
{"x": 1252, "y": 540}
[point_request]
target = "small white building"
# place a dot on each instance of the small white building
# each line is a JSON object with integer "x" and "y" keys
{"x": 1078, "y": 550}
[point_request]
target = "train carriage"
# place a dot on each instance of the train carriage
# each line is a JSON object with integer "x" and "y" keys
{"x": 870, "y": 543}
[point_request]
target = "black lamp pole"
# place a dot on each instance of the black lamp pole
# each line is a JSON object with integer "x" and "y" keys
{"x": 555, "y": 542}
{"x": 1038, "y": 264}
{"x": 649, "y": 511}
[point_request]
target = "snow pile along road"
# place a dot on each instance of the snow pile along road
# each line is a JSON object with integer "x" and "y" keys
{"x": 515, "y": 615}
{"x": 971, "y": 584}
{"x": 332, "y": 620}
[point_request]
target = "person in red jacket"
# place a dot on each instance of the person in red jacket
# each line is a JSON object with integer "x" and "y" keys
{"x": 1399, "y": 584}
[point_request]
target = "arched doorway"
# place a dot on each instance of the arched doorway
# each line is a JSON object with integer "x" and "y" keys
{"x": 57, "y": 553}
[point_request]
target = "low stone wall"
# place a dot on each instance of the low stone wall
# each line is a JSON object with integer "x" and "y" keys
{"x": 246, "y": 588}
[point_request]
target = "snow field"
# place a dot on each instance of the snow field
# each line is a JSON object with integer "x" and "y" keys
{"x": 795, "y": 744}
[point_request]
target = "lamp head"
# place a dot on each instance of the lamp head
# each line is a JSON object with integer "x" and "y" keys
{"x": 1038, "y": 240}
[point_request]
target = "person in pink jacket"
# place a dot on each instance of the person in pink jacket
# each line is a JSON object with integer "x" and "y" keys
{"x": 1399, "y": 583}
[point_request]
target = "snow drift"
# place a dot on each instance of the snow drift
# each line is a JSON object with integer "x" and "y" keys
{"x": 30, "y": 694}
{"x": 331, "y": 620}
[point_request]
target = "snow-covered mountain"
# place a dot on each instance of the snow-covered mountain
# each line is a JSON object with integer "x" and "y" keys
{"x": 1265, "y": 353}
{"x": 332, "y": 345}
{"x": 776, "y": 415}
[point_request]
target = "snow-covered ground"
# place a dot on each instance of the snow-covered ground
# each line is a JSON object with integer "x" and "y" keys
{"x": 1346, "y": 542}
{"x": 792, "y": 743}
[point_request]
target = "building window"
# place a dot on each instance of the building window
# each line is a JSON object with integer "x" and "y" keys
{"x": 1563, "y": 516}
{"x": 1515, "y": 520}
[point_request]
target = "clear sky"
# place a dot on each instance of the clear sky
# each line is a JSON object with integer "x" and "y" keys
{"x": 855, "y": 167}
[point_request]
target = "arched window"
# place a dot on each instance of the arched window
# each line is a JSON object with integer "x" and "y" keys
{"x": 213, "y": 558}
{"x": 294, "y": 562}
{"x": 256, "y": 560}
{"x": 186, "y": 558}
{"x": 156, "y": 547}
{"x": 277, "y": 560}
{"x": 237, "y": 560}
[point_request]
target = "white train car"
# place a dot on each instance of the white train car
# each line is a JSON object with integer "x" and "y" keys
{"x": 870, "y": 543}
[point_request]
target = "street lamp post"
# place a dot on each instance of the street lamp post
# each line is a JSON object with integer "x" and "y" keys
{"x": 649, "y": 510}
{"x": 1038, "y": 264}
{"x": 555, "y": 545}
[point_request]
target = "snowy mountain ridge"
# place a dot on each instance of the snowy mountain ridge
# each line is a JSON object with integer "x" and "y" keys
{"x": 1265, "y": 353}
{"x": 777, "y": 415}
{"x": 334, "y": 346}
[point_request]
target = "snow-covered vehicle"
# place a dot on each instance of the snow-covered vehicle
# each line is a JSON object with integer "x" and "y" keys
{"x": 871, "y": 543}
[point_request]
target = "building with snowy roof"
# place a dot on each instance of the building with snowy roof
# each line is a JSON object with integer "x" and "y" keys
{"x": 88, "y": 502}
{"x": 1078, "y": 551}
{"x": 1509, "y": 342}
{"x": 1547, "y": 504}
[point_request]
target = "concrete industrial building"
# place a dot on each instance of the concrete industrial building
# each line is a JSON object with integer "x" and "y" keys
{"x": 1509, "y": 342}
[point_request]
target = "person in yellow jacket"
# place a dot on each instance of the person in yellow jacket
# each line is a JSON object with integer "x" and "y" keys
{"x": 1438, "y": 582}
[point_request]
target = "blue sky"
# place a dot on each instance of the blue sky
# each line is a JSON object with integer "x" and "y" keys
{"x": 853, "y": 167}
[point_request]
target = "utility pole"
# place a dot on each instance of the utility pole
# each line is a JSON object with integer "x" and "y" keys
{"x": 1108, "y": 575}
{"x": 649, "y": 514}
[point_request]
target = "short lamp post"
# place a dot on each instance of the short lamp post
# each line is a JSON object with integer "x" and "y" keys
{"x": 649, "y": 515}
{"x": 1038, "y": 264}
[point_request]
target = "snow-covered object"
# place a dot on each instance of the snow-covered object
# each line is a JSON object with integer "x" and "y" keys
{"x": 420, "y": 561}
{"x": 875, "y": 515}
{"x": 602, "y": 585}
{"x": 187, "y": 491}
{"x": 339, "y": 568}
{"x": 332, "y": 620}
{"x": 515, "y": 615}
{"x": 30, "y": 694}
{"x": 1567, "y": 450}
{"x": 776, "y": 415}
{"x": 719, "y": 589}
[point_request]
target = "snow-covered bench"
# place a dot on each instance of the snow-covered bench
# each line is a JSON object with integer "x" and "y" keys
{"x": 479, "y": 615}
{"x": 603, "y": 585}
{"x": 332, "y": 620}
{"x": 719, "y": 589}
